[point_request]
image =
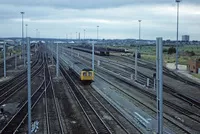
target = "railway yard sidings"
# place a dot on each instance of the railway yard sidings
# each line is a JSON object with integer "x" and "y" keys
{"x": 113, "y": 103}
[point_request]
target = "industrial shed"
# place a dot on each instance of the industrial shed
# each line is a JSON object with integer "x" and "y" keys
{"x": 194, "y": 65}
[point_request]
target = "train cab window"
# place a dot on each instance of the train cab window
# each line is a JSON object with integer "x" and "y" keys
{"x": 84, "y": 73}
{"x": 90, "y": 73}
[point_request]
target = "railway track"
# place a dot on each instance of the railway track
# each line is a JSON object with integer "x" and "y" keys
{"x": 187, "y": 112}
{"x": 9, "y": 89}
{"x": 19, "y": 117}
{"x": 166, "y": 88}
{"x": 97, "y": 125}
{"x": 179, "y": 109}
{"x": 105, "y": 111}
{"x": 166, "y": 71}
{"x": 142, "y": 79}
{"x": 18, "y": 77}
{"x": 52, "y": 110}
{"x": 145, "y": 106}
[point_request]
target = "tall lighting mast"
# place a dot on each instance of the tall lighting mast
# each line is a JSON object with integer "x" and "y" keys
{"x": 177, "y": 1}
{"x": 23, "y": 51}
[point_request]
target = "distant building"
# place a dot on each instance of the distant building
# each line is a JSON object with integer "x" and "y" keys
{"x": 185, "y": 38}
{"x": 194, "y": 65}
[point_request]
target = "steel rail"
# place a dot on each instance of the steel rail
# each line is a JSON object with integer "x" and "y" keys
{"x": 78, "y": 90}
{"x": 12, "y": 122}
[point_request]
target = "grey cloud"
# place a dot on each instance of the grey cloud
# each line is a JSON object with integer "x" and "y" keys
{"x": 85, "y": 4}
{"x": 116, "y": 18}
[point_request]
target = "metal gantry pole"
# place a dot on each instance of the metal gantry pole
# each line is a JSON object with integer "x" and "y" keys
{"x": 178, "y": 1}
{"x": 93, "y": 56}
{"x": 57, "y": 62}
{"x": 159, "y": 86}
{"x": 4, "y": 58}
{"x": 29, "y": 85}
{"x": 136, "y": 63}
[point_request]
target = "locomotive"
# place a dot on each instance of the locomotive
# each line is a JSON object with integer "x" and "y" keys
{"x": 86, "y": 75}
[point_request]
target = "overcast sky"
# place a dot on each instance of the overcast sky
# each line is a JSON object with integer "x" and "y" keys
{"x": 116, "y": 18}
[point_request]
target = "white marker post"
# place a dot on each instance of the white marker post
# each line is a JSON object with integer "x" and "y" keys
{"x": 4, "y": 58}
{"x": 147, "y": 82}
{"x": 131, "y": 76}
{"x": 98, "y": 63}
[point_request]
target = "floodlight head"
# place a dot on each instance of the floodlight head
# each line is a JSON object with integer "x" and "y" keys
{"x": 178, "y": 0}
{"x": 22, "y": 12}
{"x": 139, "y": 20}
{"x": 97, "y": 26}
